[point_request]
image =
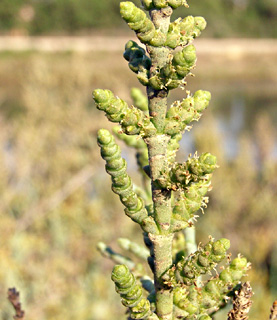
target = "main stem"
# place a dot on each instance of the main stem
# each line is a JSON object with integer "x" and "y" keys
{"x": 157, "y": 148}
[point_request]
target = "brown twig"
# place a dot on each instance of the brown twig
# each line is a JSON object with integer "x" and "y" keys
{"x": 273, "y": 311}
{"x": 242, "y": 303}
{"x": 13, "y": 297}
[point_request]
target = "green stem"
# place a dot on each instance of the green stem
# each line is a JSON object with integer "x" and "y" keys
{"x": 162, "y": 254}
{"x": 191, "y": 245}
{"x": 157, "y": 148}
{"x": 190, "y": 238}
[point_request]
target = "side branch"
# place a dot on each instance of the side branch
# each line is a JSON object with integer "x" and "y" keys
{"x": 13, "y": 297}
{"x": 242, "y": 303}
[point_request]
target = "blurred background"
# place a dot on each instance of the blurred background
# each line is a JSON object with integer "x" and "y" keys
{"x": 56, "y": 203}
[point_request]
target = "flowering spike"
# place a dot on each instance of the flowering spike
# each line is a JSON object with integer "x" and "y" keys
{"x": 131, "y": 292}
{"x": 182, "y": 32}
{"x": 172, "y": 75}
{"x": 203, "y": 261}
{"x": 144, "y": 27}
{"x": 132, "y": 120}
{"x": 121, "y": 182}
{"x": 180, "y": 115}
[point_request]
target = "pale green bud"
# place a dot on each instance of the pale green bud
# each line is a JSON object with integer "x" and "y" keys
{"x": 239, "y": 263}
{"x": 132, "y": 120}
{"x": 190, "y": 28}
{"x": 177, "y": 3}
{"x": 184, "y": 60}
{"x": 225, "y": 276}
{"x": 138, "y": 21}
{"x": 207, "y": 163}
{"x": 130, "y": 292}
{"x": 200, "y": 23}
{"x": 141, "y": 310}
{"x": 173, "y": 35}
{"x": 158, "y": 39}
{"x": 201, "y": 262}
{"x": 201, "y": 100}
{"x": 160, "y": 3}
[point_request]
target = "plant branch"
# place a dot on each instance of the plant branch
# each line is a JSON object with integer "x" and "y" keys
{"x": 13, "y": 297}
{"x": 242, "y": 303}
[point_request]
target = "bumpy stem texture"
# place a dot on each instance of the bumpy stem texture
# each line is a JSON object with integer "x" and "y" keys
{"x": 202, "y": 302}
{"x": 157, "y": 150}
{"x": 121, "y": 182}
{"x": 131, "y": 292}
{"x": 178, "y": 189}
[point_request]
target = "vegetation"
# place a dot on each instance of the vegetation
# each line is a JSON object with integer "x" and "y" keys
{"x": 183, "y": 285}
{"x": 41, "y": 259}
{"x": 230, "y": 18}
{"x": 46, "y": 114}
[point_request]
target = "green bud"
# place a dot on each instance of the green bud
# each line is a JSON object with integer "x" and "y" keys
{"x": 201, "y": 100}
{"x": 158, "y": 39}
{"x": 133, "y": 121}
{"x": 104, "y": 137}
{"x": 218, "y": 248}
{"x": 203, "y": 261}
{"x": 212, "y": 287}
{"x": 160, "y": 3}
{"x": 177, "y": 3}
{"x": 190, "y": 28}
{"x": 138, "y": 21}
{"x": 200, "y": 23}
{"x": 173, "y": 35}
{"x": 138, "y": 61}
{"x": 225, "y": 242}
{"x": 127, "y": 10}
{"x": 236, "y": 274}
{"x": 184, "y": 60}
{"x": 239, "y": 263}
{"x": 225, "y": 276}
{"x": 207, "y": 163}
{"x": 130, "y": 292}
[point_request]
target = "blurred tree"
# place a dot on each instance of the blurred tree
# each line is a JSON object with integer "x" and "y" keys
{"x": 243, "y": 18}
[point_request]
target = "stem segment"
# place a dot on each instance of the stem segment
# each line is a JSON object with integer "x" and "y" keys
{"x": 161, "y": 252}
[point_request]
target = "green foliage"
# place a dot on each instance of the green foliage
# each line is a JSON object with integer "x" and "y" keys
{"x": 130, "y": 292}
{"x": 183, "y": 31}
{"x": 132, "y": 120}
{"x": 178, "y": 190}
{"x": 40, "y": 134}
{"x": 121, "y": 182}
{"x": 181, "y": 114}
{"x": 226, "y": 18}
{"x": 143, "y": 26}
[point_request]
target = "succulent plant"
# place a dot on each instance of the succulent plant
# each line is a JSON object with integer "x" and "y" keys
{"x": 185, "y": 284}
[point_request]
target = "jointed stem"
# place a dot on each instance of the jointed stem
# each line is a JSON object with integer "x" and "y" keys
{"x": 157, "y": 147}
